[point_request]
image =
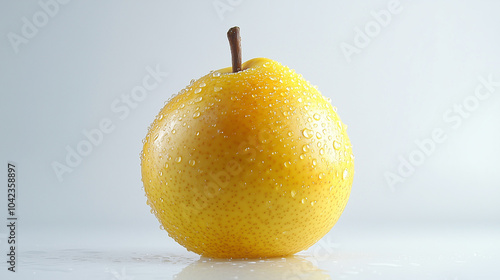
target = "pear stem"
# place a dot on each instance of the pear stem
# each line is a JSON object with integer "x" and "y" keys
{"x": 233, "y": 35}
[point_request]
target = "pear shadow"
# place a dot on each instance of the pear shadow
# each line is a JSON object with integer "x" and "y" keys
{"x": 286, "y": 268}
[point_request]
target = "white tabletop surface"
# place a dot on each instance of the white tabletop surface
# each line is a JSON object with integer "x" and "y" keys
{"x": 363, "y": 251}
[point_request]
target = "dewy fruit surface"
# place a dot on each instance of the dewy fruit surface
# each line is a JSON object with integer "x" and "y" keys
{"x": 249, "y": 164}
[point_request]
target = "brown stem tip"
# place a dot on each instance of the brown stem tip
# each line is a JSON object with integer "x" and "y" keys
{"x": 233, "y": 35}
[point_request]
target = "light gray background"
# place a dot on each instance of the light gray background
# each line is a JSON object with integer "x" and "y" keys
{"x": 392, "y": 93}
